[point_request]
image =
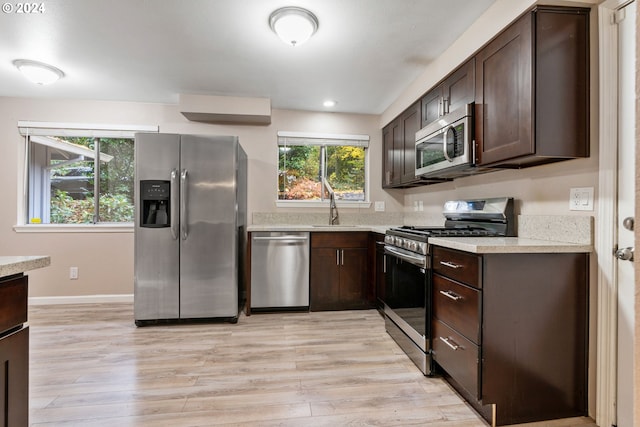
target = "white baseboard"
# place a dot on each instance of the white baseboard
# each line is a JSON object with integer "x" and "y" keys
{"x": 81, "y": 299}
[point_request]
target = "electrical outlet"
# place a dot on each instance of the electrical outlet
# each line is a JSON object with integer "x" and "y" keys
{"x": 379, "y": 206}
{"x": 73, "y": 273}
{"x": 420, "y": 205}
{"x": 581, "y": 199}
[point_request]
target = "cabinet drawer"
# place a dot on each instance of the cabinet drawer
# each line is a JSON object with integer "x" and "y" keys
{"x": 461, "y": 266}
{"x": 357, "y": 239}
{"x": 458, "y": 356}
{"x": 13, "y": 302}
{"x": 458, "y": 306}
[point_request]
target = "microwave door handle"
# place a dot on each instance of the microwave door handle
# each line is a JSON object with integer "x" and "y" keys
{"x": 444, "y": 143}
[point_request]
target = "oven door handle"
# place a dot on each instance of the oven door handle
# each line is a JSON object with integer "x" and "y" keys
{"x": 417, "y": 260}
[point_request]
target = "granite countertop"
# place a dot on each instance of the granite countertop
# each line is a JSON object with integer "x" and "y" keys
{"x": 488, "y": 245}
{"x": 10, "y": 265}
{"x": 537, "y": 233}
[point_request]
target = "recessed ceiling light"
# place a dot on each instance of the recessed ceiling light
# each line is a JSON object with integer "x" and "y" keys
{"x": 329, "y": 103}
{"x": 38, "y": 72}
{"x": 294, "y": 25}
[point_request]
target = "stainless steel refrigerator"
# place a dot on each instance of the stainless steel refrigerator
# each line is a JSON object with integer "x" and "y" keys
{"x": 190, "y": 227}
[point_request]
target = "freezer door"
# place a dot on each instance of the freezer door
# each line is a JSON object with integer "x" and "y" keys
{"x": 156, "y": 281}
{"x": 208, "y": 234}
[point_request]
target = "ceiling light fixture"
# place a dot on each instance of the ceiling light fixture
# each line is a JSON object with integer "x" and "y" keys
{"x": 294, "y": 25}
{"x": 329, "y": 103}
{"x": 38, "y": 72}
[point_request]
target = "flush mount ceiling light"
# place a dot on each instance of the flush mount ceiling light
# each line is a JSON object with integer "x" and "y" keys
{"x": 329, "y": 103}
{"x": 38, "y": 72}
{"x": 294, "y": 25}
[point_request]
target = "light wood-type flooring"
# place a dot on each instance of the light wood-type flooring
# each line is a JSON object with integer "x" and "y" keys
{"x": 91, "y": 366}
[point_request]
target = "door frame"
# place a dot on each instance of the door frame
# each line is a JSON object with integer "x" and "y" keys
{"x": 606, "y": 227}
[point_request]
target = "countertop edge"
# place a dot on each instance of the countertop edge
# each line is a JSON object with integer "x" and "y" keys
{"x": 479, "y": 245}
{"x": 10, "y": 265}
{"x": 488, "y": 245}
{"x": 381, "y": 229}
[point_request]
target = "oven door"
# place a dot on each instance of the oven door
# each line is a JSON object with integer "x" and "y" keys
{"x": 405, "y": 294}
{"x": 445, "y": 146}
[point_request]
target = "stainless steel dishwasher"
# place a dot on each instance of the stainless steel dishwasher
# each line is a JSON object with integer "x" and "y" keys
{"x": 279, "y": 270}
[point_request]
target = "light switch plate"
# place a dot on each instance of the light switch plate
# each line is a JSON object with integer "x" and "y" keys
{"x": 581, "y": 199}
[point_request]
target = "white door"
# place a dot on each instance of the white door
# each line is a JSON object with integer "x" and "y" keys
{"x": 626, "y": 18}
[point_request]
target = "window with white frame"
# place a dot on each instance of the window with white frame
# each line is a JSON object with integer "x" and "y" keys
{"x": 79, "y": 174}
{"x": 311, "y": 165}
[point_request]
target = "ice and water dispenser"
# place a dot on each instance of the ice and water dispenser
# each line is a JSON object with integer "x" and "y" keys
{"x": 155, "y": 198}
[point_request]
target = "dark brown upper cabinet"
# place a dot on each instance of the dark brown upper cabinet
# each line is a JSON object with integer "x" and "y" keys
{"x": 532, "y": 90}
{"x": 455, "y": 91}
{"x": 391, "y": 156}
{"x": 399, "y": 155}
{"x": 410, "y": 122}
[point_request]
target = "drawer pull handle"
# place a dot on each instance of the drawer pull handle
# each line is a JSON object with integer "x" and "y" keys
{"x": 450, "y": 264}
{"x": 449, "y": 341}
{"x": 452, "y": 295}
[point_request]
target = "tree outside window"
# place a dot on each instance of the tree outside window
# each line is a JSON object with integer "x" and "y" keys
{"x": 303, "y": 161}
{"x": 62, "y": 180}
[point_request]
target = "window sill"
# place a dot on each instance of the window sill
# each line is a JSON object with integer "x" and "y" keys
{"x": 318, "y": 204}
{"x": 126, "y": 227}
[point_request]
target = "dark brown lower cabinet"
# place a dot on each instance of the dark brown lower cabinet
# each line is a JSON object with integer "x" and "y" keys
{"x": 14, "y": 379}
{"x": 14, "y": 352}
{"x": 339, "y": 271}
{"x": 512, "y": 337}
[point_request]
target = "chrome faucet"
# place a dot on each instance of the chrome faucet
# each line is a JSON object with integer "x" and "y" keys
{"x": 333, "y": 209}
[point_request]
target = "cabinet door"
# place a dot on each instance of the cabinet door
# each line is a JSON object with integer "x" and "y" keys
{"x": 431, "y": 106}
{"x": 410, "y": 125}
{"x": 387, "y": 155}
{"x": 324, "y": 281}
{"x": 14, "y": 378}
{"x": 562, "y": 110}
{"x": 503, "y": 99}
{"x": 353, "y": 278}
{"x": 391, "y": 161}
{"x": 458, "y": 89}
{"x": 379, "y": 272}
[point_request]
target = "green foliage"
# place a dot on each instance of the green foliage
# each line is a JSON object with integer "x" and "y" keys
{"x": 117, "y": 176}
{"x": 345, "y": 167}
{"x": 66, "y": 210}
{"x": 116, "y": 185}
{"x": 299, "y": 171}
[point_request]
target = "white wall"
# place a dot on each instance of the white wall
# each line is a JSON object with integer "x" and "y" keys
{"x": 105, "y": 260}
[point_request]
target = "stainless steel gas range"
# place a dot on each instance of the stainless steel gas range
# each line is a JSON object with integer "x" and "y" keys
{"x": 406, "y": 296}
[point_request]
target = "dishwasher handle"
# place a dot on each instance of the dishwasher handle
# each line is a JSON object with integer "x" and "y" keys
{"x": 282, "y": 238}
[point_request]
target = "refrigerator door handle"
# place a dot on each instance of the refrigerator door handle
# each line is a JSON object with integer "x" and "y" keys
{"x": 184, "y": 230}
{"x": 173, "y": 209}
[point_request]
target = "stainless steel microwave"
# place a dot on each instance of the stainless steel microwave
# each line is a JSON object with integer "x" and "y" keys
{"x": 445, "y": 147}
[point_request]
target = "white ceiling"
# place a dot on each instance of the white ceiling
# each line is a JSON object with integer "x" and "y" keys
{"x": 364, "y": 53}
